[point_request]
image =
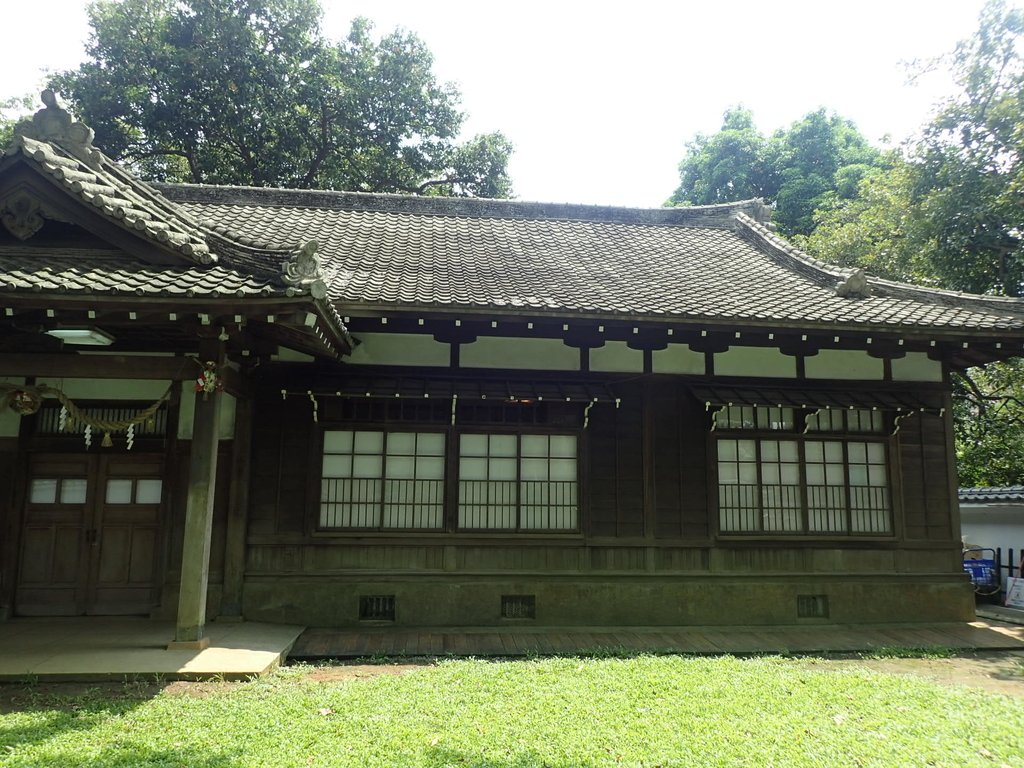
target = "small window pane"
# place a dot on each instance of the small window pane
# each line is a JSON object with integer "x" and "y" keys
{"x": 834, "y": 474}
{"x": 790, "y": 474}
{"x": 473, "y": 445}
{"x": 534, "y": 469}
{"x": 858, "y": 453}
{"x": 337, "y": 466}
{"x": 814, "y": 451}
{"x": 430, "y": 444}
{"x": 502, "y": 445}
{"x": 815, "y": 474}
{"x": 503, "y": 469}
{"x": 858, "y": 474}
{"x": 788, "y": 451}
{"x": 748, "y": 474}
{"x": 727, "y": 473}
{"x": 746, "y": 449}
{"x": 876, "y": 453}
{"x": 472, "y": 468}
{"x": 44, "y": 491}
{"x": 833, "y": 452}
{"x": 338, "y": 442}
{"x": 366, "y": 466}
{"x": 399, "y": 467}
{"x": 770, "y": 474}
{"x": 563, "y": 446}
{"x": 148, "y": 491}
{"x": 402, "y": 442}
{"x": 563, "y": 469}
{"x": 429, "y": 468}
{"x": 72, "y": 491}
{"x": 727, "y": 450}
{"x": 876, "y": 476}
{"x": 369, "y": 442}
{"x": 533, "y": 445}
{"x": 769, "y": 450}
{"x": 119, "y": 491}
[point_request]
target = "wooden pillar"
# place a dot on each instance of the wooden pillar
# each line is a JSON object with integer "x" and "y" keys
{"x": 195, "y": 559}
{"x": 238, "y": 513}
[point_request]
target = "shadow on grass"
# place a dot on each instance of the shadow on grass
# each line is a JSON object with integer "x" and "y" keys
{"x": 62, "y": 708}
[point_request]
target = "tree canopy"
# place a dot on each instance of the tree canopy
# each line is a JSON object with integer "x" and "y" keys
{"x": 818, "y": 157}
{"x": 250, "y": 92}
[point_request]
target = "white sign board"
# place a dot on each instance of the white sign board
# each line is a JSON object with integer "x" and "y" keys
{"x": 1014, "y": 593}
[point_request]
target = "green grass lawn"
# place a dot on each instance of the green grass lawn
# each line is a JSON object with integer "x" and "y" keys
{"x": 641, "y": 711}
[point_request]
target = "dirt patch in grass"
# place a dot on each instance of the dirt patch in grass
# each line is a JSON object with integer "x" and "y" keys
{"x": 996, "y": 672}
{"x": 341, "y": 673}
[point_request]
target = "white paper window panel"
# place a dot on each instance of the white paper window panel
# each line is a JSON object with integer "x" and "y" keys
{"x": 858, "y": 453}
{"x": 337, "y": 466}
{"x": 472, "y": 468}
{"x": 412, "y": 516}
{"x": 501, "y": 445}
{"x": 73, "y": 490}
{"x": 420, "y": 467}
{"x": 338, "y": 441}
{"x": 563, "y": 446}
{"x": 533, "y": 445}
{"x": 780, "y": 474}
{"x": 402, "y": 443}
{"x": 119, "y": 491}
{"x": 368, "y": 442}
{"x": 148, "y": 491}
{"x": 533, "y": 469}
{"x": 367, "y": 466}
{"x": 473, "y": 445}
{"x": 779, "y": 450}
{"x": 728, "y": 473}
{"x": 43, "y": 491}
{"x": 876, "y": 453}
{"x": 501, "y": 469}
{"x": 748, "y": 473}
{"x": 430, "y": 444}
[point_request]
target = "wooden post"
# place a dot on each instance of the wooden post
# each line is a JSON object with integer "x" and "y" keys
{"x": 195, "y": 559}
{"x": 238, "y": 513}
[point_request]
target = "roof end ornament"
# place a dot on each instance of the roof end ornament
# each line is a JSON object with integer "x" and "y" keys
{"x": 302, "y": 270}
{"x": 855, "y": 286}
{"x": 54, "y": 123}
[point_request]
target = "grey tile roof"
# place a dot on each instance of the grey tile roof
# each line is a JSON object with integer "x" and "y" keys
{"x": 706, "y": 264}
{"x": 983, "y": 495}
{"x": 60, "y": 149}
{"x": 91, "y": 272}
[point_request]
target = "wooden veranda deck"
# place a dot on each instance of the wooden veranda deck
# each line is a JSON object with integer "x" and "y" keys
{"x": 326, "y": 643}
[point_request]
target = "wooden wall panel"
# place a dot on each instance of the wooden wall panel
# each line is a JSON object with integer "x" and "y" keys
{"x": 667, "y": 444}
{"x": 924, "y": 480}
{"x": 281, "y": 471}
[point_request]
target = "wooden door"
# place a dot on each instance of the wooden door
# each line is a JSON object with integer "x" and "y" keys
{"x": 91, "y": 536}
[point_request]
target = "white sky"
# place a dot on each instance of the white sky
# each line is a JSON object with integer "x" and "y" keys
{"x": 601, "y": 98}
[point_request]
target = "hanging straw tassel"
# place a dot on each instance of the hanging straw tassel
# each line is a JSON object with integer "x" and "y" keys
{"x": 107, "y": 442}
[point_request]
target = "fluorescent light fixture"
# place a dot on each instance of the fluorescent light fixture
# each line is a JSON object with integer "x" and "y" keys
{"x": 86, "y": 337}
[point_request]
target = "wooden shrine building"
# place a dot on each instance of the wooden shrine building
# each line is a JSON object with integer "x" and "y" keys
{"x": 331, "y": 408}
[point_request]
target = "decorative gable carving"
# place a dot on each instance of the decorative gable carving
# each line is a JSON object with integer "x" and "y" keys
{"x": 21, "y": 214}
{"x": 54, "y": 123}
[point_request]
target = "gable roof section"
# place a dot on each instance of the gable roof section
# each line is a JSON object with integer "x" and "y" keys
{"x": 709, "y": 264}
{"x": 178, "y": 255}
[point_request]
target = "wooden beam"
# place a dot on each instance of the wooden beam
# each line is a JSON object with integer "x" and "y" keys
{"x": 190, "y": 629}
{"x": 238, "y": 512}
{"x": 98, "y": 366}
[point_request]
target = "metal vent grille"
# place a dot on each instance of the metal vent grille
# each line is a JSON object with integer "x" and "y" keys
{"x": 376, "y": 607}
{"x": 812, "y": 606}
{"x": 518, "y": 606}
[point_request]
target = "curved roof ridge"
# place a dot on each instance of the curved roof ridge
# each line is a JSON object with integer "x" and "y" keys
{"x": 826, "y": 274}
{"x": 717, "y": 214}
{"x": 61, "y": 147}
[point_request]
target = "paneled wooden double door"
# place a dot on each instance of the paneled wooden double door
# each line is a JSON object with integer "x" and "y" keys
{"x": 91, "y": 534}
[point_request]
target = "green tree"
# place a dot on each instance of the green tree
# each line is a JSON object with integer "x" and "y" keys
{"x": 799, "y": 169}
{"x": 11, "y": 111}
{"x": 950, "y": 211}
{"x": 250, "y": 92}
